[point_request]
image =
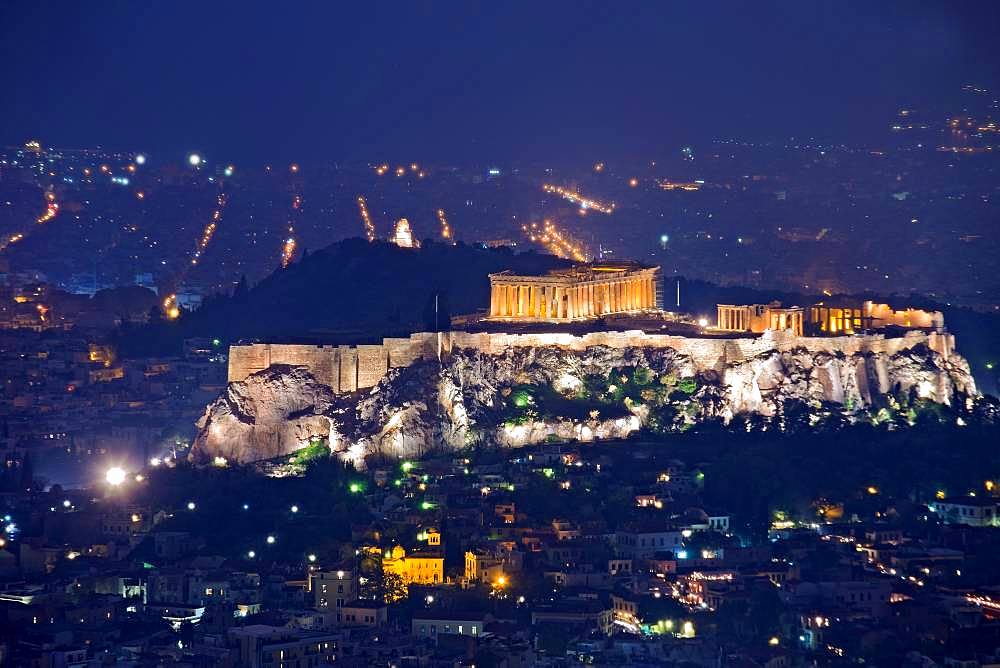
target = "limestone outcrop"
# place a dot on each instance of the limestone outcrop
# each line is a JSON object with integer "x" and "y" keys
{"x": 530, "y": 394}
{"x": 270, "y": 414}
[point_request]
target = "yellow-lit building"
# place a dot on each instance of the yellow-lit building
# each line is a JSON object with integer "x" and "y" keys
{"x": 835, "y": 318}
{"x": 414, "y": 568}
{"x": 758, "y": 317}
{"x": 483, "y": 566}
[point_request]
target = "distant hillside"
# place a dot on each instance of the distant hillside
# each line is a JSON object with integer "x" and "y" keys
{"x": 352, "y": 291}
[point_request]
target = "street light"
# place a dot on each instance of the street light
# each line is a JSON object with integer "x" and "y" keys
{"x": 115, "y": 476}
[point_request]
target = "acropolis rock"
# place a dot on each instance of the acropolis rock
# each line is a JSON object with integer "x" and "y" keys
{"x": 447, "y": 396}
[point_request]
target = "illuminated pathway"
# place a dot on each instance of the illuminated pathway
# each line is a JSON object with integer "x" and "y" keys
{"x": 366, "y": 219}
{"x": 557, "y": 242}
{"x": 585, "y": 203}
{"x": 445, "y": 228}
{"x": 288, "y": 248}
{"x": 51, "y": 210}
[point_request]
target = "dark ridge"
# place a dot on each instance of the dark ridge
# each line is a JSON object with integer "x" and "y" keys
{"x": 351, "y": 291}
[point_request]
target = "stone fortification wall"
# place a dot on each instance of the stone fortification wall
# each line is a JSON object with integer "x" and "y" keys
{"x": 351, "y": 368}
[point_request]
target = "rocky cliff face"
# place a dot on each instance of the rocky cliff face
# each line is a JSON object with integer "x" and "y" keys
{"x": 272, "y": 413}
{"x": 528, "y": 395}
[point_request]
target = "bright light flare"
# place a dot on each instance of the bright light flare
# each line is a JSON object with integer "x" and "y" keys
{"x": 115, "y": 476}
{"x": 194, "y": 160}
{"x": 170, "y": 308}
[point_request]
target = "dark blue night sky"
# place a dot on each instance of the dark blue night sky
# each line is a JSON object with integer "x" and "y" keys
{"x": 475, "y": 81}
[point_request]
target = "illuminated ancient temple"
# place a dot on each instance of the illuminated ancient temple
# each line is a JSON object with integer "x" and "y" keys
{"x": 843, "y": 317}
{"x": 759, "y": 317}
{"x": 578, "y": 293}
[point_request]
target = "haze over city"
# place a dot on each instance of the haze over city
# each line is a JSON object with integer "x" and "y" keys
{"x": 511, "y": 334}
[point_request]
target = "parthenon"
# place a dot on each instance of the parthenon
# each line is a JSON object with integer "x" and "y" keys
{"x": 577, "y": 293}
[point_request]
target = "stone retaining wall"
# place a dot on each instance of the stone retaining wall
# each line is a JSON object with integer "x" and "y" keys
{"x": 351, "y": 368}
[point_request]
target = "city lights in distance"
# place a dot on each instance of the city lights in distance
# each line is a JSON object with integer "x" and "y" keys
{"x": 556, "y": 241}
{"x": 573, "y": 197}
{"x": 170, "y": 308}
{"x": 366, "y": 219}
{"x": 140, "y": 159}
{"x": 115, "y": 476}
{"x": 445, "y": 228}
